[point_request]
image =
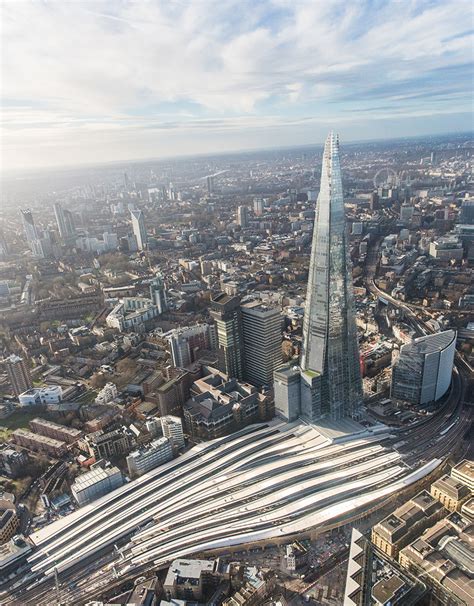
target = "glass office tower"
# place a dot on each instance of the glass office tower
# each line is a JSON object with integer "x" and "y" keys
{"x": 331, "y": 384}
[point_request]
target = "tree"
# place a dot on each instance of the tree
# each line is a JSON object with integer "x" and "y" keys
{"x": 98, "y": 380}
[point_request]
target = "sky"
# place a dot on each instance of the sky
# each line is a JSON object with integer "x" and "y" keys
{"x": 91, "y": 82}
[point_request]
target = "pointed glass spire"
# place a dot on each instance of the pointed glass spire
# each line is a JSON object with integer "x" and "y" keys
{"x": 330, "y": 349}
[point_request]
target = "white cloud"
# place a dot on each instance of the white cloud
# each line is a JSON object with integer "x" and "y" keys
{"x": 70, "y": 69}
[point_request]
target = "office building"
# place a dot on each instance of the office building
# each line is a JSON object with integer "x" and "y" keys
{"x": 107, "y": 444}
{"x": 287, "y": 386}
{"x": 450, "y": 492}
{"x": 18, "y": 374}
{"x": 406, "y": 213}
{"x": 190, "y": 580}
{"x": 447, "y": 248}
{"x": 95, "y": 483}
{"x": 139, "y": 228}
{"x": 35, "y": 242}
{"x": 262, "y": 335}
{"x": 395, "y": 531}
{"x": 243, "y": 216}
{"x": 185, "y": 343}
{"x": 158, "y": 294}
{"x": 226, "y": 312}
{"x": 443, "y": 558}
{"x": 466, "y": 215}
{"x": 65, "y": 221}
{"x": 220, "y": 405}
{"x": 150, "y": 456}
{"x": 29, "y": 226}
{"x": 170, "y": 396}
{"x": 172, "y": 428}
{"x": 422, "y": 371}
{"x": 258, "y": 206}
{"x": 331, "y": 384}
{"x": 110, "y": 241}
{"x": 210, "y": 185}
{"x": 464, "y": 472}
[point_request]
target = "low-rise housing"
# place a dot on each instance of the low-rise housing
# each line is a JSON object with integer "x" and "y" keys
{"x": 53, "y": 430}
{"x": 39, "y": 443}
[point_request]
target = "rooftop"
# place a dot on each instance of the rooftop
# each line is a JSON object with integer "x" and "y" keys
{"x": 386, "y": 590}
{"x": 92, "y": 477}
{"x": 465, "y": 468}
{"x": 188, "y": 569}
{"x": 430, "y": 343}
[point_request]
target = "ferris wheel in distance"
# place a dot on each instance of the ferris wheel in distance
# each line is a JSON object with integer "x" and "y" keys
{"x": 386, "y": 177}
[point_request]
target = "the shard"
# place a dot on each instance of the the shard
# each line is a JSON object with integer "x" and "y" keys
{"x": 331, "y": 384}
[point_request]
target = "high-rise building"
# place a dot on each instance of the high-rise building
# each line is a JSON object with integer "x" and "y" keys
{"x": 243, "y": 216}
{"x": 225, "y": 310}
{"x": 139, "y": 228}
{"x": 262, "y": 336}
{"x": 18, "y": 374}
{"x": 32, "y": 236}
{"x": 158, "y": 294}
{"x": 29, "y": 225}
{"x": 65, "y": 222}
{"x": 422, "y": 371}
{"x": 172, "y": 428}
{"x": 210, "y": 185}
{"x": 3, "y": 245}
{"x": 258, "y": 206}
{"x": 466, "y": 215}
{"x": 185, "y": 343}
{"x": 330, "y": 369}
{"x": 287, "y": 386}
{"x": 329, "y": 376}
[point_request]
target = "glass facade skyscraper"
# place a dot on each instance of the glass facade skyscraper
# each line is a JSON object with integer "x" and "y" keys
{"x": 331, "y": 384}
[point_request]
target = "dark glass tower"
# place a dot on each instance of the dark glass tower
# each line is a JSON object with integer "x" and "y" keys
{"x": 331, "y": 383}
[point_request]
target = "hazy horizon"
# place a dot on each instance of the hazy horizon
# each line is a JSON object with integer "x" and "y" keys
{"x": 95, "y": 82}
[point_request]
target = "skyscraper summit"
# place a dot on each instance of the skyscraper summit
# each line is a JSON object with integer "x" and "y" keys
{"x": 330, "y": 379}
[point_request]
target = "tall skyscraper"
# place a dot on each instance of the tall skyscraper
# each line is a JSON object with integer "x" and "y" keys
{"x": 139, "y": 228}
{"x": 31, "y": 232}
{"x": 243, "y": 216}
{"x": 158, "y": 294}
{"x": 18, "y": 374}
{"x": 258, "y": 206}
{"x": 210, "y": 185}
{"x": 29, "y": 224}
{"x": 331, "y": 379}
{"x": 226, "y": 312}
{"x": 65, "y": 222}
{"x": 262, "y": 334}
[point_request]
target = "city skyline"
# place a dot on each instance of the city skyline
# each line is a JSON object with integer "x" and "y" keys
{"x": 273, "y": 76}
